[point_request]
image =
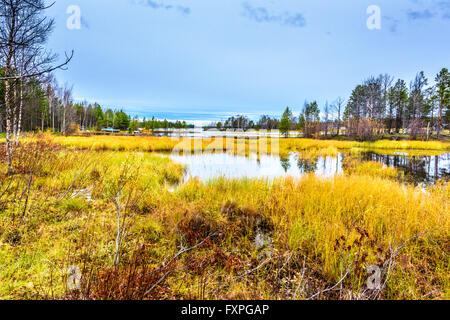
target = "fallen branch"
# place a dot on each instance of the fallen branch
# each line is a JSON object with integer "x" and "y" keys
{"x": 301, "y": 279}
{"x": 333, "y": 287}
{"x": 391, "y": 264}
{"x": 179, "y": 253}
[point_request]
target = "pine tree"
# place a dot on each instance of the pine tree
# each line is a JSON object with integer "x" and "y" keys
{"x": 443, "y": 95}
{"x": 285, "y": 123}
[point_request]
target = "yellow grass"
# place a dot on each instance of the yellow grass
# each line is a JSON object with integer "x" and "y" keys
{"x": 314, "y": 147}
{"x": 353, "y": 166}
{"x": 325, "y": 225}
{"x": 291, "y": 144}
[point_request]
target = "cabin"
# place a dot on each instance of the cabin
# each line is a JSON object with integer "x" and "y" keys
{"x": 111, "y": 130}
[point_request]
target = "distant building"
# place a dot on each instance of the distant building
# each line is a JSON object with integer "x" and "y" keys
{"x": 111, "y": 130}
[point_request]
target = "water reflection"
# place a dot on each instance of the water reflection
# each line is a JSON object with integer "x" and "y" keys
{"x": 211, "y": 133}
{"x": 307, "y": 165}
{"x": 285, "y": 163}
{"x": 417, "y": 169}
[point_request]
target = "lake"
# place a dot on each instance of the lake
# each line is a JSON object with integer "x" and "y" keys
{"x": 422, "y": 170}
{"x": 210, "y": 133}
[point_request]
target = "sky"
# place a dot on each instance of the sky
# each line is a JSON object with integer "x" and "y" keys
{"x": 242, "y": 56}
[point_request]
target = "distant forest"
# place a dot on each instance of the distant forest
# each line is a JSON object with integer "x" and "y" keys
{"x": 380, "y": 105}
{"x": 31, "y": 99}
{"x": 45, "y": 105}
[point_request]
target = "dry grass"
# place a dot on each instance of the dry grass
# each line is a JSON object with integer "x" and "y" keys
{"x": 354, "y": 166}
{"x": 199, "y": 240}
{"x": 166, "y": 144}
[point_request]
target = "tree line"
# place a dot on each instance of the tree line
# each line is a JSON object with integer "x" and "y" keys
{"x": 378, "y": 106}
{"x": 48, "y": 106}
{"x": 30, "y": 97}
{"x": 244, "y": 123}
{"x": 153, "y": 124}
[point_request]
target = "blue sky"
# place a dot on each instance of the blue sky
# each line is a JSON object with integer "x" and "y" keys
{"x": 246, "y": 56}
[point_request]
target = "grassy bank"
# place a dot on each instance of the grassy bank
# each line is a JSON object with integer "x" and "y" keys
{"x": 291, "y": 144}
{"x": 225, "y": 239}
{"x": 244, "y": 146}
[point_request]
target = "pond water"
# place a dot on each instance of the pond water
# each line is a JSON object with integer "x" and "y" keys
{"x": 200, "y": 133}
{"x": 417, "y": 169}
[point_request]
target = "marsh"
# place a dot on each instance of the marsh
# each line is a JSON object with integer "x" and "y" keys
{"x": 417, "y": 169}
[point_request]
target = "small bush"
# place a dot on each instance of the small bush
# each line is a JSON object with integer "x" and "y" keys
{"x": 74, "y": 205}
{"x": 196, "y": 227}
{"x": 137, "y": 279}
{"x": 246, "y": 218}
{"x": 35, "y": 156}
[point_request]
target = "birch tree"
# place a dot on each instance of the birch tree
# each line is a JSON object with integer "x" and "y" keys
{"x": 24, "y": 30}
{"x": 338, "y": 108}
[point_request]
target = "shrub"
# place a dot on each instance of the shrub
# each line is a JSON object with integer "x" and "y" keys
{"x": 34, "y": 156}
{"x": 365, "y": 129}
{"x": 197, "y": 227}
{"x": 137, "y": 279}
{"x": 74, "y": 205}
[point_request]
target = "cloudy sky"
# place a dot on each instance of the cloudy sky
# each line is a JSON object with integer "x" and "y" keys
{"x": 247, "y": 56}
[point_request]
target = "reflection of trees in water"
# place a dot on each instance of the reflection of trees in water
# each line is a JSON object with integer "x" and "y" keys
{"x": 307, "y": 165}
{"x": 304, "y": 165}
{"x": 417, "y": 169}
{"x": 285, "y": 163}
{"x": 444, "y": 171}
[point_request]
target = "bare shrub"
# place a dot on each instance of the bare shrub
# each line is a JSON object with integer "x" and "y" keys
{"x": 34, "y": 156}
{"x": 246, "y": 219}
{"x": 416, "y": 129}
{"x": 364, "y": 129}
{"x": 312, "y": 129}
{"x": 72, "y": 129}
{"x": 195, "y": 227}
{"x": 137, "y": 279}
